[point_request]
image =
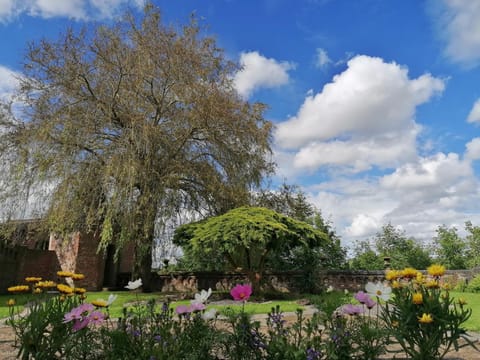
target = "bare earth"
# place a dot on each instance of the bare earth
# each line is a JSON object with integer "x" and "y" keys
{"x": 8, "y": 352}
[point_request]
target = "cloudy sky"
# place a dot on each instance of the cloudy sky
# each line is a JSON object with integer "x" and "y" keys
{"x": 376, "y": 103}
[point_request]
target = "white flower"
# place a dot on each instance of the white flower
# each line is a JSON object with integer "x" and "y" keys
{"x": 202, "y": 297}
{"x": 132, "y": 285}
{"x": 330, "y": 289}
{"x": 111, "y": 299}
{"x": 209, "y": 314}
{"x": 378, "y": 290}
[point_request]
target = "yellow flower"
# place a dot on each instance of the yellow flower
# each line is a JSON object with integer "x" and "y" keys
{"x": 62, "y": 298}
{"x": 417, "y": 298}
{"x": 77, "y": 276}
{"x": 11, "y": 302}
{"x": 99, "y": 303}
{"x": 46, "y": 284}
{"x": 396, "y": 284}
{"x": 419, "y": 278}
{"x": 462, "y": 301}
{"x": 425, "y": 318}
{"x": 446, "y": 286}
{"x": 18, "y": 288}
{"x": 432, "y": 284}
{"x": 64, "y": 273}
{"x": 78, "y": 290}
{"x": 409, "y": 272}
{"x": 33, "y": 279}
{"x": 64, "y": 289}
{"x": 391, "y": 275}
{"x": 436, "y": 270}
{"x": 37, "y": 290}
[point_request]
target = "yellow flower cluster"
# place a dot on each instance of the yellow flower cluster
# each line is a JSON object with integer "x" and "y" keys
{"x": 33, "y": 279}
{"x": 99, "y": 303}
{"x": 46, "y": 284}
{"x": 19, "y": 288}
{"x": 79, "y": 290}
{"x": 65, "y": 289}
{"x": 77, "y": 276}
{"x": 64, "y": 273}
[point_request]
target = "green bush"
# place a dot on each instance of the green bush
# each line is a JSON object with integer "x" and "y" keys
{"x": 474, "y": 285}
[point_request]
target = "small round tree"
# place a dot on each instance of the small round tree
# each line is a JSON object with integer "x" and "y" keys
{"x": 245, "y": 237}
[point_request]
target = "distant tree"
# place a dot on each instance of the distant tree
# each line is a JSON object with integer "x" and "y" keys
{"x": 121, "y": 121}
{"x": 450, "y": 248}
{"x": 288, "y": 200}
{"x": 246, "y": 237}
{"x": 403, "y": 251}
{"x": 473, "y": 244}
{"x": 365, "y": 257}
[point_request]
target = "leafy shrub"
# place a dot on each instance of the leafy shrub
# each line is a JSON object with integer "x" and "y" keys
{"x": 474, "y": 285}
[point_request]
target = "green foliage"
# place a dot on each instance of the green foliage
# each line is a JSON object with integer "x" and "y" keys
{"x": 390, "y": 242}
{"x": 247, "y": 238}
{"x": 473, "y": 244}
{"x": 451, "y": 249}
{"x": 474, "y": 285}
{"x": 366, "y": 258}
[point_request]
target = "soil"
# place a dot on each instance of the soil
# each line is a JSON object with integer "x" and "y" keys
{"x": 8, "y": 351}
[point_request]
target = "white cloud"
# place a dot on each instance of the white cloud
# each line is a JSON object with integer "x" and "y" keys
{"x": 260, "y": 72}
{"x": 322, "y": 58}
{"x": 432, "y": 174}
{"x": 459, "y": 24}
{"x": 370, "y": 106}
{"x": 76, "y": 9}
{"x": 473, "y": 149}
{"x": 363, "y": 225}
{"x": 474, "y": 115}
{"x": 419, "y": 196}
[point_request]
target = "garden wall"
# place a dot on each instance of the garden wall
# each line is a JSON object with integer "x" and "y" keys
{"x": 189, "y": 282}
{"x": 18, "y": 262}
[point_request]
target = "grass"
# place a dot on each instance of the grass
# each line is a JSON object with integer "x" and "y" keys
{"x": 126, "y": 298}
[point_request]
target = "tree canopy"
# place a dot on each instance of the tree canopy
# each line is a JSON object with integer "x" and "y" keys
{"x": 246, "y": 236}
{"x": 121, "y": 123}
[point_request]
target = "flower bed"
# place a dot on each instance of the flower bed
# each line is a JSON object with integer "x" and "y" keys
{"x": 417, "y": 316}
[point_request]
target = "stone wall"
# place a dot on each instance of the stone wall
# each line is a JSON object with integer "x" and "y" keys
{"x": 190, "y": 282}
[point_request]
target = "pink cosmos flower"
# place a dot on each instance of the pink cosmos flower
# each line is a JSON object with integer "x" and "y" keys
{"x": 78, "y": 312}
{"x": 96, "y": 317}
{"x": 370, "y": 303}
{"x": 80, "y": 324}
{"x": 241, "y": 292}
{"x": 362, "y": 297}
{"x": 197, "y": 307}
{"x": 351, "y": 309}
{"x": 182, "y": 309}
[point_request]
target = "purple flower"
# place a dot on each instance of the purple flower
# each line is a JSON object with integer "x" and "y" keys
{"x": 96, "y": 317}
{"x": 197, "y": 307}
{"x": 351, "y": 309}
{"x": 78, "y": 312}
{"x": 362, "y": 297}
{"x": 80, "y": 324}
{"x": 182, "y": 309}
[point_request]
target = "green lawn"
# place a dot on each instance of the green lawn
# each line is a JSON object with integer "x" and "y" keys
{"x": 126, "y": 297}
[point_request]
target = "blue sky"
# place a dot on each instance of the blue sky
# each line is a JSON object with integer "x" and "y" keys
{"x": 376, "y": 103}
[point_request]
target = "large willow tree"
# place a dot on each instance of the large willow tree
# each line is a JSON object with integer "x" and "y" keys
{"x": 120, "y": 123}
